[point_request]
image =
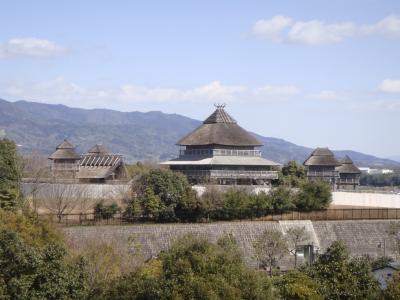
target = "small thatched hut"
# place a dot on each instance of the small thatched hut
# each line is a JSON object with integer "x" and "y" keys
{"x": 349, "y": 174}
{"x": 63, "y": 162}
{"x": 321, "y": 165}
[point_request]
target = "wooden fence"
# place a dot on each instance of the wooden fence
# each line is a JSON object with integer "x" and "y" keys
{"x": 322, "y": 215}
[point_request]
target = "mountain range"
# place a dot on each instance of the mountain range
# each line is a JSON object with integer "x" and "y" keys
{"x": 38, "y": 127}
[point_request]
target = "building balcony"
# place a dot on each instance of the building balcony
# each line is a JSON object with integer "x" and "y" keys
{"x": 348, "y": 181}
{"x": 322, "y": 174}
{"x": 232, "y": 174}
{"x": 219, "y": 152}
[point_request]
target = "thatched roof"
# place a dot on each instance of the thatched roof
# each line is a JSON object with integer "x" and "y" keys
{"x": 98, "y": 149}
{"x": 347, "y": 166}
{"x": 219, "y": 129}
{"x": 65, "y": 150}
{"x": 321, "y": 157}
{"x": 98, "y": 165}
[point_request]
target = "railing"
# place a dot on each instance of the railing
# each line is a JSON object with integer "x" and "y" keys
{"x": 219, "y": 152}
{"x": 63, "y": 167}
{"x": 89, "y": 219}
{"x": 322, "y": 173}
{"x": 348, "y": 180}
{"x": 231, "y": 174}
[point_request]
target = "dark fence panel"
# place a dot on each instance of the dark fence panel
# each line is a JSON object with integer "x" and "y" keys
{"x": 89, "y": 219}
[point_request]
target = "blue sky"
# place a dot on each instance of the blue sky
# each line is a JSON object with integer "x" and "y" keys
{"x": 316, "y": 73}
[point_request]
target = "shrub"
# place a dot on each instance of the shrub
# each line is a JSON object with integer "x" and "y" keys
{"x": 105, "y": 212}
{"x": 314, "y": 195}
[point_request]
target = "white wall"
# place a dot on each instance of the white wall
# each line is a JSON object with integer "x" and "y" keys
{"x": 366, "y": 199}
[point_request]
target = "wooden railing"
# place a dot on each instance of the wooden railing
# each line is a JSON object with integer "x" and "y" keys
{"x": 322, "y": 173}
{"x": 231, "y": 174}
{"x": 219, "y": 152}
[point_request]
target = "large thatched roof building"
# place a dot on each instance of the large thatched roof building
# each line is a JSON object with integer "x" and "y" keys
{"x": 220, "y": 151}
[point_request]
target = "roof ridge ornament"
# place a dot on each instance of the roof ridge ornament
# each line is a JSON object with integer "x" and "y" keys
{"x": 219, "y": 105}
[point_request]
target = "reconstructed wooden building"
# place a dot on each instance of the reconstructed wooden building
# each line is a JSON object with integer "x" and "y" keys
{"x": 97, "y": 166}
{"x": 63, "y": 162}
{"x": 349, "y": 174}
{"x": 222, "y": 152}
{"x": 323, "y": 165}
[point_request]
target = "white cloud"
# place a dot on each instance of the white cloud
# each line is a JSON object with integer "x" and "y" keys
{"x": 271, "y": 29}
{"x": 326, "y": 95}
{"x": 317, "y": 32}
{"x": 60, "y": 90}
{"x": 282, "y": 29}
{"x": 277, "y": 91}
{"x": 30, "y": 47}
{"x": 389, "y": 26}
{"x": 390, "y": 86}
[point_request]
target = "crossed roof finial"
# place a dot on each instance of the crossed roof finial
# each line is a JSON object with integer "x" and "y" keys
{"x": 220, "y": 105}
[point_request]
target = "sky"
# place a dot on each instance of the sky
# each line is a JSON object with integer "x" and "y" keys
{"x": 315, "y": 73}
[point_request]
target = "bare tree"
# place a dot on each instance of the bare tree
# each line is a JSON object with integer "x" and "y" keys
{"x": 269, "y": 248}
{"x": 63, "y": 198}
{"x": 35, "y": 172}
{"x": 295, "y": 237}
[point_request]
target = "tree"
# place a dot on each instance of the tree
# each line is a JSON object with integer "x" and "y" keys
{"x": 151, "y": 204}
{"x": 236, "y": 203}
{"x": 10, "y": 175}
{"x": 60, "y": 199}
{"x": 194, "y": 268}
{"x": 314, "y": 195}
{"x": 292, "y": 174}
{"x": 102, "y": 211}
{"x": 35, "y": 171}
{"x": 282, "y": 199}
{"x": 34, "y": 231}
{"x": 295, "y": 285}
{"x": 269, "y": 248}
{"x": 341, "y": 277}
{"x": 27, "y": 272}
{"x": 295, "y": 237}
{"x": 173, "y": 190}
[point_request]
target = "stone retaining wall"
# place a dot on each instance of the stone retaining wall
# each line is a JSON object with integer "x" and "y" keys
{"x": 361, "y": 237}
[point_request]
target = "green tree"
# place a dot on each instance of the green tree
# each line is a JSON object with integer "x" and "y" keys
{"x": 173, "y": 190}
{"x": 236, "y": 204}
{"x": 314, "y": 195}
{"x": 292, "y": 174}
{"x": 194, "y": 268}
{"x": 260, "y": 204}
{"x": 151, "y": 204}
{"x": 10, "y": 175}
{"x": 269, "y": 248}
{"x": 27, "y": 272}
{"x": 341, "y": 277}
{"x": 295, "y": 285}
{"x": 282, "y": 199}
